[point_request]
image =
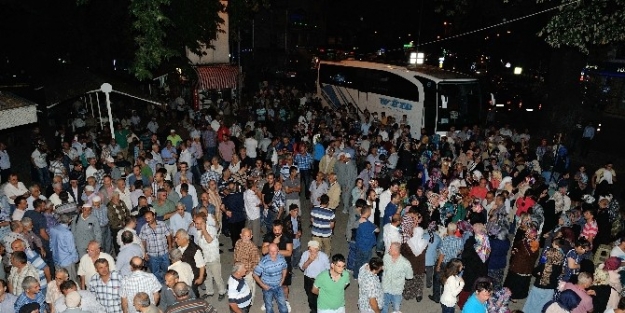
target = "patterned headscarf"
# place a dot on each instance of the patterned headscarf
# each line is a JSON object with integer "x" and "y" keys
{"x": 499, "y": 301}
{"x": 482, "y": 243}
{"x": 554, "y": 256}
{"x": 531, "y": 240}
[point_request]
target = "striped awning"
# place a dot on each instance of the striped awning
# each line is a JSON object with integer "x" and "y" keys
{"x": 217, "y": 76}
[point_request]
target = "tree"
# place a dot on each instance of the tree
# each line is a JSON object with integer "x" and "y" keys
{"x": 577, "y": 29}
{"x": 163, "y": 29}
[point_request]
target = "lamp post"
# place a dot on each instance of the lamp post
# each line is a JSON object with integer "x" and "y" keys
{"x": 106, "y": 89}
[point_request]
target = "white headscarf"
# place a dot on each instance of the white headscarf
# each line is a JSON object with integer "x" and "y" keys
{"x": 417, "y": 243}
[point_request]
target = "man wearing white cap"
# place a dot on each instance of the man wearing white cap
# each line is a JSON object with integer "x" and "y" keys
{"x": 312, "y": 263}
{"x": 72, "y": 301}
{"x": 85, "y": 228}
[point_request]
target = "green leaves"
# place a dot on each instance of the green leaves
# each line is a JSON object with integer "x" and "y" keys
{"x": 590, "y": 23}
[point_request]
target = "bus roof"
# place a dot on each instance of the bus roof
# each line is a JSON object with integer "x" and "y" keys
{"x": 425, "y": 71}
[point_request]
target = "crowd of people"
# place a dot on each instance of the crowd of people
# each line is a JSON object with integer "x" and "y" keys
{"x": 135, "y": 221}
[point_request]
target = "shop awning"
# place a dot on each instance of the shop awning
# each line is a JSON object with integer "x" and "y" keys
{"x": 16, "y": 111}
{"x": 217, "y": 76}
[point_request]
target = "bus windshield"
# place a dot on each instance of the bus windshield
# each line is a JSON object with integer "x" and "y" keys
{"x": 459, "y": 104}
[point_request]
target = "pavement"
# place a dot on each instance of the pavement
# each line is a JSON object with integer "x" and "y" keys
{"x": 297, "y": 295}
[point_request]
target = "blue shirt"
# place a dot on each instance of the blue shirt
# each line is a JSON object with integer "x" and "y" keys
{"x": 35, "y": 260}
{"x": 23, "y": 300}
{"x": 270, "y": 271}
{"x": 473, "y": 305}
{"x": 62, "y": 245}
{"x": 451, "y": 246}
{"x": 365, "y": 236}
{"x": 431, "y": 253}
{"x": 389, "y": 211}
{"x": 318, "y": 151}
{"x": 168, "y": 156}
{"x": 188, "y": 203}
{"x": 304, "y": 161}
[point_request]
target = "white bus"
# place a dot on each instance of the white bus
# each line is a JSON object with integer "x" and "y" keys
{"x": 431, "y": 98}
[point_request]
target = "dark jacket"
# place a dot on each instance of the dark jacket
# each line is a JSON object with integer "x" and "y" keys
{"x": 288, "y": 225}
{"x": 189, "y": 257}
{"x": 234, "y": 203}
{"x": 498, "y": 258}
{"x": 474, "y": 267}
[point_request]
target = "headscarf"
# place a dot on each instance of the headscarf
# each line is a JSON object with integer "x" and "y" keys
{"x": 482, "y": 243}
{"x": 568, "y": 300}
{"x": 499, "y": 301}
{"x": 532, "y": 244}
{"x": 600, "y": 277}
{"x": 417, "y": 243}
{"x": 554, "y": 256}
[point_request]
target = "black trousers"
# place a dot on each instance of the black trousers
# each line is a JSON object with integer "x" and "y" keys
{"x": 235, "y": 231}
{"x": 312, "y": 298}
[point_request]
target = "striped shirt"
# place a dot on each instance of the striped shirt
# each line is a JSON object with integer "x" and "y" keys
{"x": 270, "y": 271}
{"x": 36, "y": 261}
{"x": 191, "y": 306}
{"x": 322, "y": 219}
{"x": 451, "y": 246}
{"x": 239, "y": 292}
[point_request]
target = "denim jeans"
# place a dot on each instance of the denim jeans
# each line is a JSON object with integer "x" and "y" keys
{"x": 446, "y": 309}
{"x": 436, "y": 283}
{"x": 362, "y": 257}
{"x": 278, "y": 294}
{"x": 158, "y": 266}
{"x": 268, "y": 221}
{"x": 380, "y": 242}
{"x": 388, "y": 299}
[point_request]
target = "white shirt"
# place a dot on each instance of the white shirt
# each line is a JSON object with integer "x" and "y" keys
{"x": 251, "y": 145}
{"x": 185, "y": 272}
{"x": 385, "y": 198}
{"x": 251, "y": 201}
{"x": 124, "y": 195}
{"x": 86, "y": 267}
{"x": 391, "y": 234}
{"x": 153, "y": 127}
{"x": 453, "y": 287}
{"x": 39, "y": 159}
{"x": 18, "y": 215}
{"x": 5, "y": 161}
{"x": 209, "y": 249}
{"x": 12, "y": 191}
{"x": 31, "y": 199}
{"x": 177, "y": 222}
{"x": 91, "y": 170}
{"x": 54, "y": 198}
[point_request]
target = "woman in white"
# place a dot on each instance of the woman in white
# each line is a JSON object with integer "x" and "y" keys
{"x": 453, "y": 284}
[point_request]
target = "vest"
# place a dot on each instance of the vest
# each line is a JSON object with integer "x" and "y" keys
{"x": 189, "y": 257}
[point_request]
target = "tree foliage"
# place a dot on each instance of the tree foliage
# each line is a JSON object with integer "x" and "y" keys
{"x": 163, "y": 29}
{"x": 585, "y": 24}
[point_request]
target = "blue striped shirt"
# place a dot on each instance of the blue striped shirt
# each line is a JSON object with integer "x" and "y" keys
{"x": 239, "y": 292}
{"x": 322, "y": 219}
{"x": 270, "y": 271}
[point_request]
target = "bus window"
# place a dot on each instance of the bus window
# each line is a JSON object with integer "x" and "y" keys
{"x": 459, "y": 104}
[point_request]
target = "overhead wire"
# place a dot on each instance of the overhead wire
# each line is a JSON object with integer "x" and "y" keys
{"x": 559, "y": 6}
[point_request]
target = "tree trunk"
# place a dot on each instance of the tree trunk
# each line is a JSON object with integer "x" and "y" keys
{"x": 564, "y": 105}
